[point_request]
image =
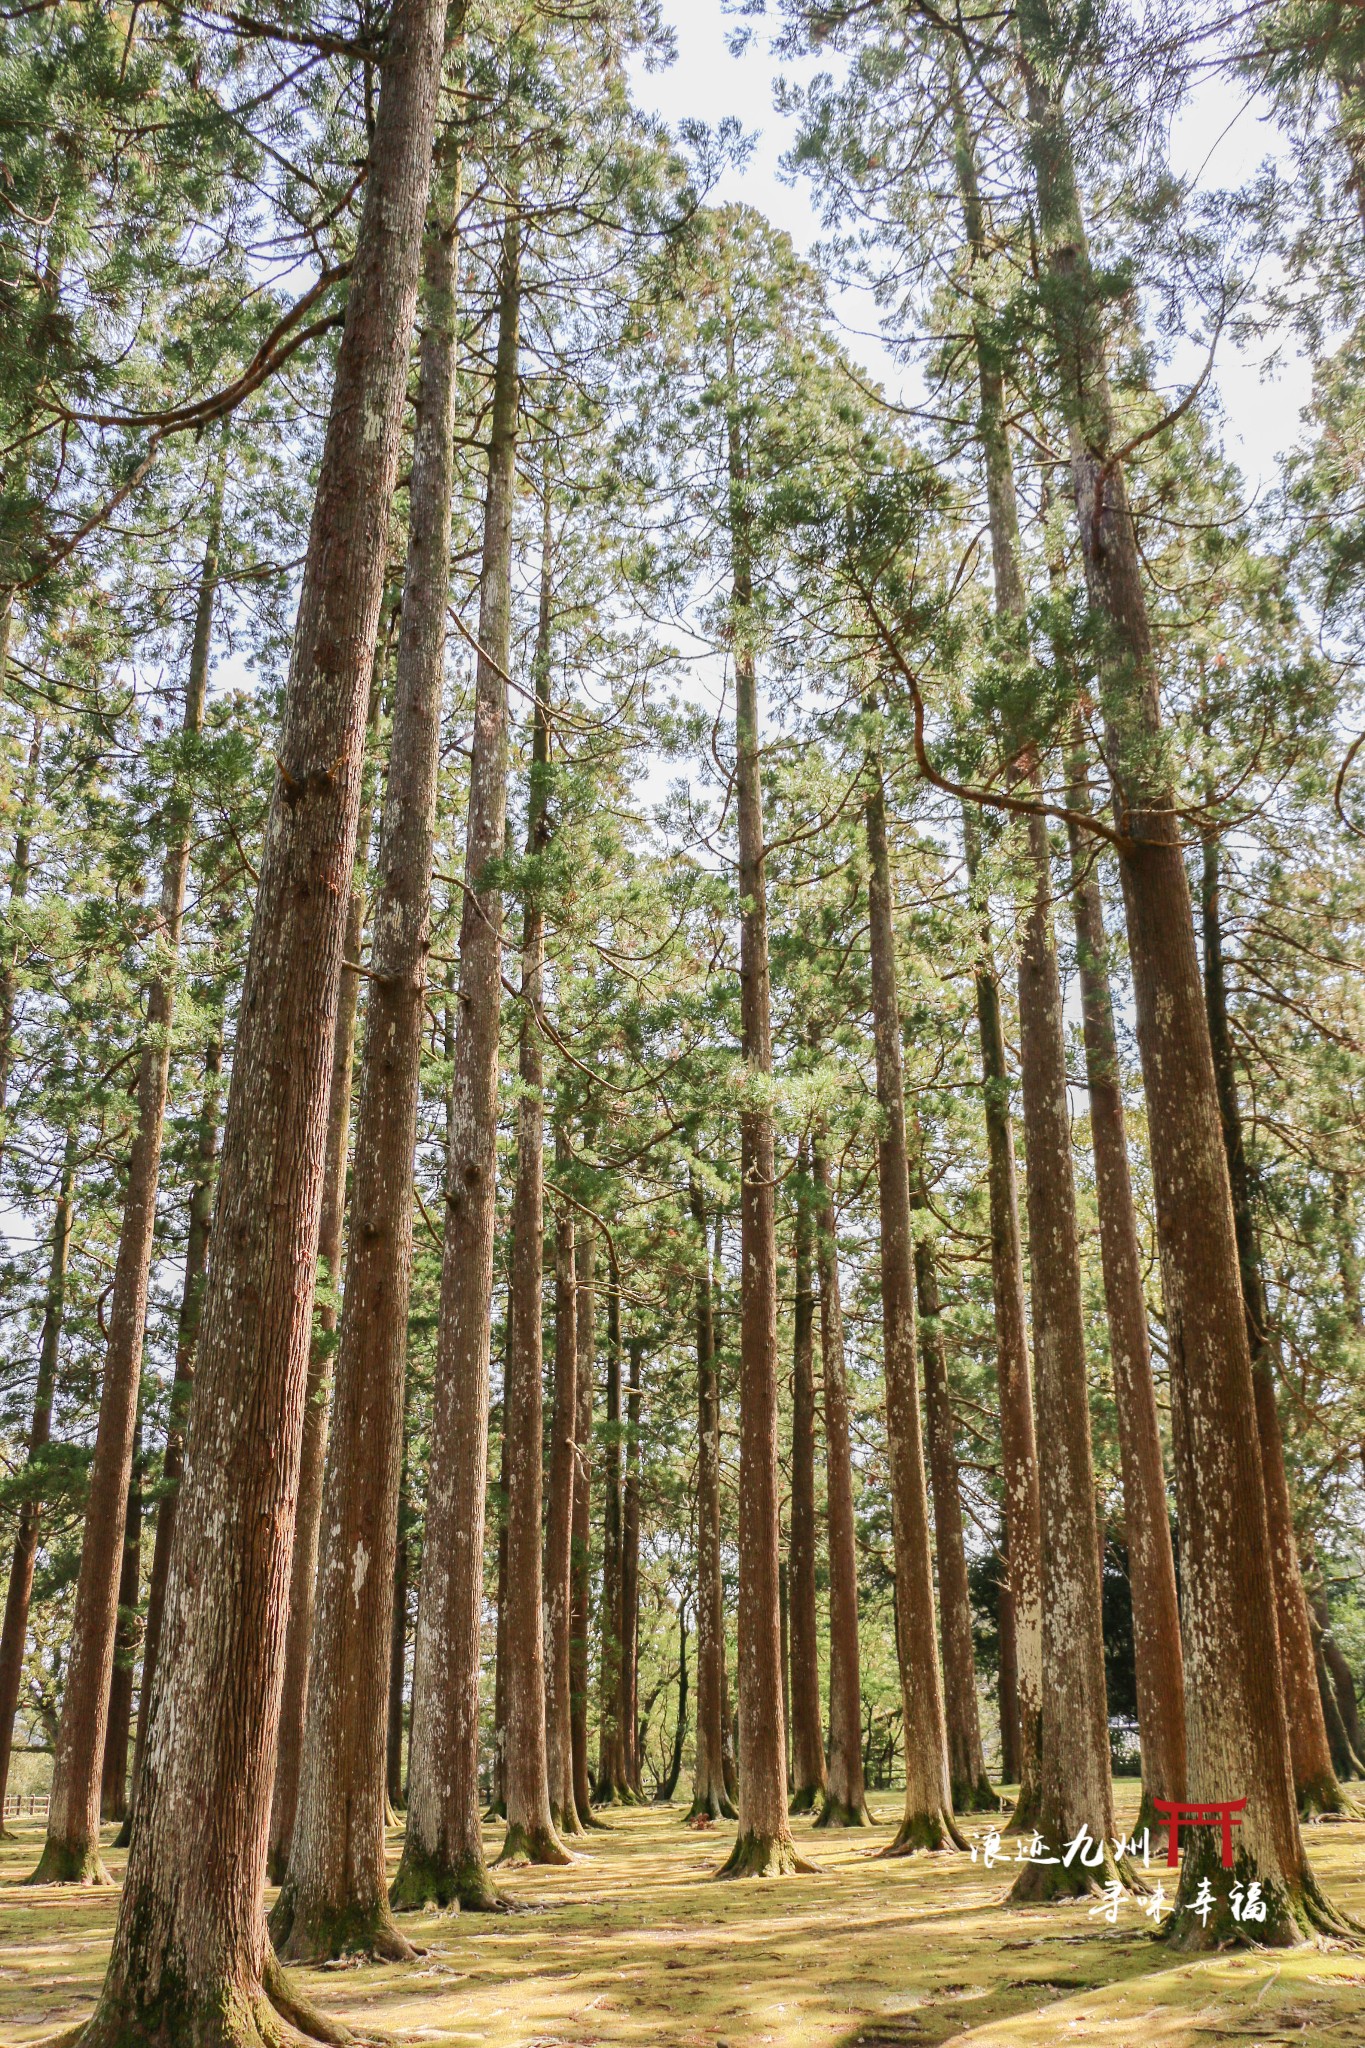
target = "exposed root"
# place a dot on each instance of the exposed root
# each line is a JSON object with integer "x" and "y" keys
{"x": 1324, "y": 1796}
{"x": 1295, "y": 1912}
{"x": 805, "y": 1798}
{"x": 1045, "y": 1884}
{"x": 273, "y": 2014}
{"x": 424, "y": 1880}
{"x": 716, "y": 1804}
{"x": 70, "y": 1863}
{"x": 567, "y": 1820}
{"x": 766, "y": 1856}
{"x": 1027, "y": 1807}
{"x": 311, "y": 1932}
{"x": 922, "y": 1833}
{"x": 836, "y": 1813}
{"x": 533, "y": 1845}
{"x": 978, "y": 1798}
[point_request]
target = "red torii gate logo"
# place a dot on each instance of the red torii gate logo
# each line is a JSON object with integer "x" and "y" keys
{"x": 1226, "y": 1813}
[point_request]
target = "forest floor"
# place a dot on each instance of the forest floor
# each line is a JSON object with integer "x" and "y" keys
{"x": 636, "y": 1944}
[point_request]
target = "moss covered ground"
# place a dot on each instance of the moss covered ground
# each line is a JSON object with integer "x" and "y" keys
{"x": 637, "y": 1944}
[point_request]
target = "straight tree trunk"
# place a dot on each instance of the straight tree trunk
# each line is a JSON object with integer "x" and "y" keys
{"x": 1343, "y": 1684}
{"x": 335, "y": 1896}
{"x": 971, "y": 1789}
{"x": 1236, "y": 1729}
{"x": 664, "y": 1795}
{"x": 559, "y": 1535}
{"x": 1157, "y": 1651}
{"x": 119, "y": 1723}
{"x": 531, "y": 1835}
{"x": 191, "y": 1960}
{"x": 21, "y": 867}
{"x": 1010, "y": 1739}
{"x": 585, "y": 1348}
{"x": 763, "y": 1846}
{"x": 1315, "y": 1780}
{"x": 1075, "y": 1789}
{"x": 927, "y": 1822}
{"x": 1014, "y": 1376}
{"x": 14, "y": 1634}
{"x": 845, "y": 1802}
{"x": 710, "y": 1798}
{"x": 303, "y": 1562}
{"x": 442, "y": 1859}
{"x": 71, "y": 1854}
{"x": 182, "y": 1386}
{"x": 497, "y": 1805}
{"x": 611, "y": 1786}
{"x": 808, "y": 1742}
{"x": 398, "y": 1667}
{"x": 630, "y": 1584}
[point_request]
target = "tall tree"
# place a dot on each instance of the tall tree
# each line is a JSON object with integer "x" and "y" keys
{"x": 443, "y": 1848}
{"x": 190, "y": 1954}
{"x": 585, "y": 1358}
{"x": 808, "y": 1747}
{"x": 559, "y": 1532}
{"x": 71, "y": 1853}
{"x": 709, "y": 1796}
{"x": 611, "y": 1786}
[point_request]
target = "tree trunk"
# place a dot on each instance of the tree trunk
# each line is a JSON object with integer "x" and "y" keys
{"x": 928, "y": 1821}
{"x": 611, "y": 1786}
{"x": 559, "y": 1536}
{"x": 190, "y": 1959}
{"x": 497, "y": 1805}
{"x": 14, "y": 1635}
{"x": 1010, "y": 1738}
{"x": 1315, "y": 1781}
{"x": 398, "y": 1668}
{"x": 1236, "y": 1731}
{"x": 1151, "y": 1564}
{"x": 763, "y": 1846}
{"x": 119, "y": 1721}
{"x": 443, "y": 1852}
{"x": 71, "y": 1854}
{"x": 630, "y": 1585}
{"x": 1018, "y": 1453}
{"x": 845, "y": 1803}
{"x": 1343, "y": 1684}
{"x": 808, "y": 1742}
{"x": 303, "y": 1562}
{"x": 1075, "y": 1789}
{"x": 971, "y": 1789}
{"x": 335, "y": 1896}
{"x": 664, "y": 1795}
{"x": 182, "y": 1386}
{"x": 585, "y": 1347}
{"x": 709, "y": 1795}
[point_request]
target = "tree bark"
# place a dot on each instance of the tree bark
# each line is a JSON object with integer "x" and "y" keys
{"x": 1014, "y": 1376}
{"x": 971, "y": 1789}
{"x": 664, "y": 1795}
{"x": 559, "y": 1536}
{"x": 585, "y": 1346}
{"x": 14, "y": 1634}
{"x": 442, "y": 1859}
{"x": 398, "y": 1667}
{"x": 119, "y": 1722}
{"x": 1315, "y": 1780}
{"x": 497, "y": 1805}
{"x": 630, "y": 1583}
{"x": 191, "y": 1960}
{"x": 71, "y": 1854}
{"x": 763, "y": 1846}
{"x": 1075, "y": 1788}
{"x": 611, "y": 1785}
{"x": 1151, "y": 1565}
{"x": 1343, "y": 1684}
{"x": 1010, "y": 1738}
{"x": 808, "y": 1742}
{"x": 845, "y": 1801}
{"x": 21, "y": 867}
{"x": 303, "y": 1562}
{"x": 927, "y": 1822}
{"x": 709, "y": 1796}
{"x": 1236, "y": 1731}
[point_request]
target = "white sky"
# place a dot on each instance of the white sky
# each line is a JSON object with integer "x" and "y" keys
{"x": 1219, "y": 140}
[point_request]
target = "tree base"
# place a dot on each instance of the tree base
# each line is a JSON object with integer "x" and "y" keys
{"x": 533, "y": 1845}
{"x": 981, "y": 1797}
{"x": 713, "y": 1805}
{"x": 925, "y": 1834}
{"x": 425, "y": 1880}
{"x": 766, "y": 1856}
{"x": 124, "y": 1838}
{"x": 496, "y": 1809}
{"x": 1027, "y": 1809}
{"x": 70, "y": 1863}
{"x": 273, "y": 2014}
{"x": 614, "y": 1795}
{"x": 1045, "y": 1884}
{"x": 1295, "y": 1913}
{"x": 839, "y": 1813}
{"x": 1323, "y": 1795}
{"x": 566, "y": 1820}
{"x": 306, "y": 1932}
{"x": 805, "y": 1799}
